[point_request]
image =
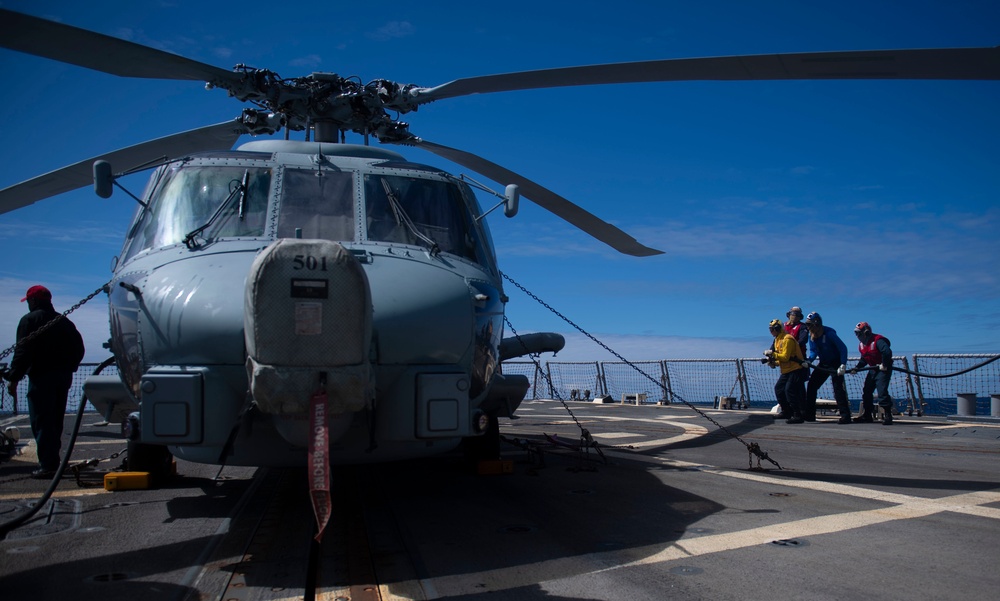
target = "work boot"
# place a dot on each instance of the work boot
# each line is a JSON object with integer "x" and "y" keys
{"x": 795, "y": 419}
{"x": 43, "y": 474}
{"x": 864, "y": 418}
{"x": 887, "y": 419}
{"x": 844, "y": 419}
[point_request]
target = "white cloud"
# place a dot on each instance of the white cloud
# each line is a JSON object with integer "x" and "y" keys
{"x": 310, "y": 60}
{"x": 91, "y": 232}
{"x": 393, "y": 30}
{"x": 125, "y": 33}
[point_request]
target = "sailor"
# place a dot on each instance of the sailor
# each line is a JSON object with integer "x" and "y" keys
{"x": 825, "y": 345}
{"x": 49, "y": 349}
{"x": 796, "y": 328}
{"x": 876, "y": 353}
{"x": 790, "y": 389}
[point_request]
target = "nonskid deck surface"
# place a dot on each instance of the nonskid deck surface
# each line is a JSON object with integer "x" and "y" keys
{"x": 859, "y": 511}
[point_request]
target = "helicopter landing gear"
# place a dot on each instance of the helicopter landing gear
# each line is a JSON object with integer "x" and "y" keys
{"x": 485, "y": 447}
{"x": 153, "y": 458}
{"x": 483, "y": 452}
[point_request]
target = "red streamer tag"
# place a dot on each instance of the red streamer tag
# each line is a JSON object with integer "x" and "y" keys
{"x": 319, "y": 462}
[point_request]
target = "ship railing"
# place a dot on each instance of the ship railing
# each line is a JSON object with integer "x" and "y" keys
{"x": 746, "y": 383}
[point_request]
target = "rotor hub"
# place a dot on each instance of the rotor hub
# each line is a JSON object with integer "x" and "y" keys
{"x": 325, "y": 100}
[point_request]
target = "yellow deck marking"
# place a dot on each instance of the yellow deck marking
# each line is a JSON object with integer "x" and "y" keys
{"x": 962, "y": 425}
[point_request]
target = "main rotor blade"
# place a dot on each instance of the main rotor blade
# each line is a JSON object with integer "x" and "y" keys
{"x": 76, "y": 46}
{"x": 78, "y": 175}
{"x": 933, "y": 63}
{"x": 545, "y": 198}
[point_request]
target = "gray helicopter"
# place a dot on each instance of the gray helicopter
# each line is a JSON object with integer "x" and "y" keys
{"x": 289, "y": 292}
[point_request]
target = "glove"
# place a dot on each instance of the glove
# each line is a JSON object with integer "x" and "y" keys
{"x": 841, "y": 370}
{"x": 883, "y": 367}
{"x": 768, "y": 353}
{"x": 806, "y": 364}
{"x": 853, "y": 371}
{"x": 12, "y": 389}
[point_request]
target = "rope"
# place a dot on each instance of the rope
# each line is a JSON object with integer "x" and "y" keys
{"x": 752, "y": 448}
{"x": 912, "y": 373}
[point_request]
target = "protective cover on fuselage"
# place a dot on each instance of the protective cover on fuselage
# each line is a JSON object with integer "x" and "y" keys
{"x": 308, "y": 327}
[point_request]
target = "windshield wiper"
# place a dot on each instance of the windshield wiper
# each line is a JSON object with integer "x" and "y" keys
{"x": 243, "y": 194}
{"x": 402, "y": 218}
{"x": 241, "y": 189}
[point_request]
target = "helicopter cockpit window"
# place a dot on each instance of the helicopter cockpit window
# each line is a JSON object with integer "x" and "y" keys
{"x": 319, "y": 203}
{"x": 187, "y": 198}
{"x": 421, "y": 212}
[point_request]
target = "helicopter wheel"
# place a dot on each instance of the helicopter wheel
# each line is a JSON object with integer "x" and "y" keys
{"x": 153, "y": 458}
{"x": 485, "y": 447}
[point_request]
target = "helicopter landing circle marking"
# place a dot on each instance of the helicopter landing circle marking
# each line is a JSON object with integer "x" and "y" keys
{"x": 688, "y": 430}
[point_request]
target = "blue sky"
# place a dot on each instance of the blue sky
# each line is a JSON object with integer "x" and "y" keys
{"x": 876, "y": 201}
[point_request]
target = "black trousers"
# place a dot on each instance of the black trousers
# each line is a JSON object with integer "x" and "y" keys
{"x": 790, "y": 390}
{"x": 876, "y": 381}
{"x": 47, "y": 397}
{"x": 816, "y": 380}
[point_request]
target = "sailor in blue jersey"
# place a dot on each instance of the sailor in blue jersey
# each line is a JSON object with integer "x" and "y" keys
{"x": 825, "y": 345}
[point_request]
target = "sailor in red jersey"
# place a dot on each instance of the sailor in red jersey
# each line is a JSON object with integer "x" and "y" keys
{"x": 796, "y": 328}
{"x": 875, "y": 352}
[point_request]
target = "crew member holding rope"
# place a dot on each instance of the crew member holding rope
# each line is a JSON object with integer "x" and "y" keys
{"x": 796, "y": 328}
{"x": 790, "y": 389}
{"x": 876, "y": 354}
{"x": 49, "y": 349}
{"x": 831, "y": 351}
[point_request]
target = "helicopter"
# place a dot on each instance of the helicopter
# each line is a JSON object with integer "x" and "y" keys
{"x": 253, "y": 281}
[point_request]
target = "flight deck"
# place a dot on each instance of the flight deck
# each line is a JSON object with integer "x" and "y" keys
{"x": 666, "y": 505}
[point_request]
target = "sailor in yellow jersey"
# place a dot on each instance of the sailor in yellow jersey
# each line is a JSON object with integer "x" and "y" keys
{"x": 790, "y": 390}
